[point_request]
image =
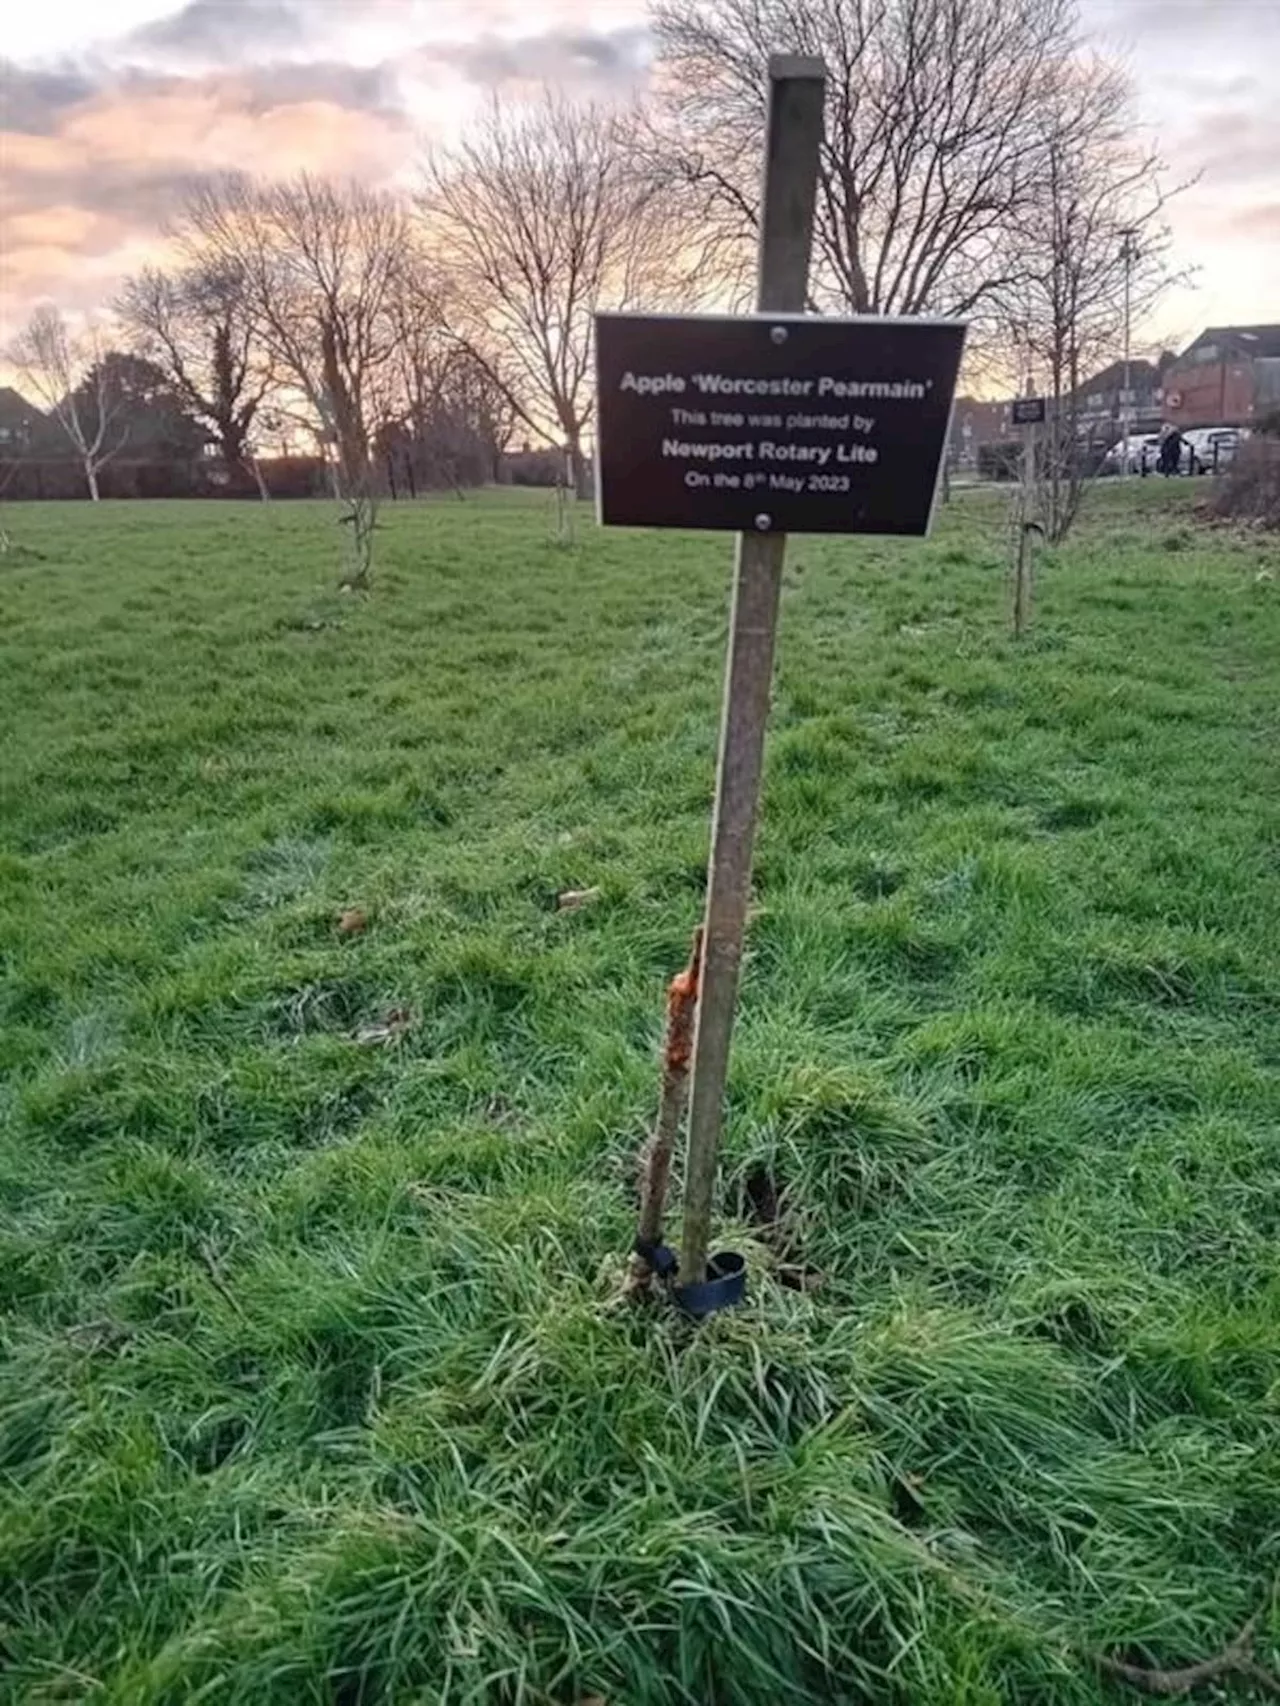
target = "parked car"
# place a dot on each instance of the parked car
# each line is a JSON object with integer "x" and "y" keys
{"x": 1204, "y": 450}
{"x": 1128, "y": 452}
{"x": 1211, "y": 447}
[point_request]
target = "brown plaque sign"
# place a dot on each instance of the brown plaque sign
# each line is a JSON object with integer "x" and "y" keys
{"x": 772, "y": 423}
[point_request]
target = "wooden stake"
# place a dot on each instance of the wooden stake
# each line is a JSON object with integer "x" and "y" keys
{"x": 796, "y": 94}
{"x": 1026, "y": 527}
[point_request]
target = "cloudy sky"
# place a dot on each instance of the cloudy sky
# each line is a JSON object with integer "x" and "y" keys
{"x": 106, "y": 107}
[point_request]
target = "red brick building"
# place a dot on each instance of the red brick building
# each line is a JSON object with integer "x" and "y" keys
{"x": 1230, "y": 376}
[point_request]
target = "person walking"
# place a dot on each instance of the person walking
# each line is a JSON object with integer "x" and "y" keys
{"x": 1170, "y": 452}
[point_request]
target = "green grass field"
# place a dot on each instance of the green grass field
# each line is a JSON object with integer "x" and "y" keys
{"x": 315, "y": 1386}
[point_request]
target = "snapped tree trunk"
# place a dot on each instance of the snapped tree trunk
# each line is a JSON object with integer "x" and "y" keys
{"x": 655, "y": 1164}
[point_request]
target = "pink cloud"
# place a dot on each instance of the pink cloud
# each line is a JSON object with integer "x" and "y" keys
{"x": 1261, "y": 223}
{"x": 82, "y": 204}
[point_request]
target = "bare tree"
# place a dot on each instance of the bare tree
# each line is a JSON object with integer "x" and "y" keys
{"x": 421, "y": 420}
{"x": 935, "y": 135}
{"x": 196, "y": 325}
{"x": 322, "y": 266}
{"x": 485, "y": 404}
{"x": 450, "y": 419}
{"x": 1092, "y": 250}
{"x": 72, "y": 380}
{"x": 541, "y": 218}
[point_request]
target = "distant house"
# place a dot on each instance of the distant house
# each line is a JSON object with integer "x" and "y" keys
{"x": 20, "y": 423}
{"x": 1102, "y": 398}
{"x": 1229, "y": 376}
{"x": 1099, "y": 410}
{"x": 975, "y": 423}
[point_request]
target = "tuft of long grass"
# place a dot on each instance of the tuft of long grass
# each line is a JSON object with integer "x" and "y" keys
{"x": 315, "y": 1386}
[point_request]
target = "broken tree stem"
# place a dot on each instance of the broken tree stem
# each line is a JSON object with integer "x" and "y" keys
{"x": 677, "y": 1048}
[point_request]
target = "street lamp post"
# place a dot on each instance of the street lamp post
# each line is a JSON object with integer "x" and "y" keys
{"x": 1128, "y": 254}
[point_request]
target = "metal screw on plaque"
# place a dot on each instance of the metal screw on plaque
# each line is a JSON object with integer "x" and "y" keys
{"x": 763, "y": 523}
{"x": 779, "y": 334}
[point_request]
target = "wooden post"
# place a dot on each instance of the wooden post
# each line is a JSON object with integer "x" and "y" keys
{"x": 1026, "y": 512}
{"x": 1020, "y": 599}
{"x": 796, "y": 95}
{"x": 1020, "y": 562}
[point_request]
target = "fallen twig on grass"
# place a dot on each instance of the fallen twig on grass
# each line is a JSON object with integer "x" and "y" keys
{"x": 1235, "y": 1659}
{"x": 393, "y": 1025}
{"x": 573, "y": 900}
{"x": 655, "y": 1161}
